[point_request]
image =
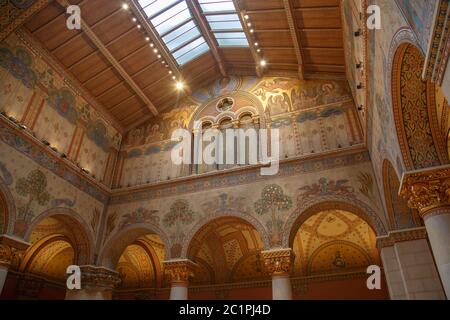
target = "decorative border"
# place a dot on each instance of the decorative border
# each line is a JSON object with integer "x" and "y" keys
{"x": 400, "y": 236}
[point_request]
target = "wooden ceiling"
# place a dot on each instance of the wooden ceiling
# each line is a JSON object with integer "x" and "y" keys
{"x": 113, "y": 62}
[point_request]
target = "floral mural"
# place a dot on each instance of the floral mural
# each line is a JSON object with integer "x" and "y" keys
{"x": 272, "y": 201}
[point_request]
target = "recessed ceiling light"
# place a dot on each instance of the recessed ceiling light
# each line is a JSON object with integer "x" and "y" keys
{"x": 134, "y": 19}
{"x": 258, "y": 50}
{"x": 251, "y": 30}
{"x": 125, "y": 6}
{"x": 249, "y": 24}
{"x": 139, "y": 26}
{"x": 174, "y": 78}
{"x": 147, "y": 39}
{"x": 180, "y": 85}
{"x": 152, "y": 44}
{"x": 263, "y": 63}
{"x": 246, "y": 17}
{"x": 159, "y": 56}
{"x": 170, "y": 72}
{"x": 256, "y": 44}
{"x": 155, "y": 50}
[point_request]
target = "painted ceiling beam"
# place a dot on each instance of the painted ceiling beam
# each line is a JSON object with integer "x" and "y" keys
{"x": 208, "y": 35}
{"x": 293, "y": 27}
{"x": 108, "y": 55}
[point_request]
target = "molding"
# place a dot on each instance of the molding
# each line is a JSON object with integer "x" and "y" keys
{"x": 401, "y": 236}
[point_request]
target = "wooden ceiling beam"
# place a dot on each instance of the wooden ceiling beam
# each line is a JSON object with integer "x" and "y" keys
{"x": 208, "y": 35}
{"x": 293, "y": 28}
{"x": 108, "y": 55}
{"x": 140, "y": 15}
{"x": 256, "y": 58}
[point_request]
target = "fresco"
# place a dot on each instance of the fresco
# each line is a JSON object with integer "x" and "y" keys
{"x": 312, "y": 116}
{"x": 419, "y": 15}
{"x": 41, "y": 99}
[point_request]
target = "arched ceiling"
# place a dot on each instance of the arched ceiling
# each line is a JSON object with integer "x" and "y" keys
{"x": 334, "y": 241}
{"x": 140, "y": 264}
{"x": 227, "y": 250}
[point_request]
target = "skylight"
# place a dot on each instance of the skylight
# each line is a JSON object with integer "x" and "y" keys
{"x": 224, "y": 22}
{"x": 173, "y": 21}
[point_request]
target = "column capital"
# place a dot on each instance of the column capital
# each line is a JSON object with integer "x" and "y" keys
{"x": 401, "y": 235}
{"x": 278, "y": 261}
{"x": 11, "y": 251}
{"x": 427, "y": 190}
{"x": 179, "y": 270}
{"x": 94, "y": 277}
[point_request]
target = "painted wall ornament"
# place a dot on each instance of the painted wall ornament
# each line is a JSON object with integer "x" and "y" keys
{"x": 273, "y": 200}
{"x": 325, "y": 187}
{"x": 63, "y": 102}
{"x": 18, "y": 65}
{"x": 179, "y": 214}
{"x": 140, "y": 215}
{"x": 34, "y": 188}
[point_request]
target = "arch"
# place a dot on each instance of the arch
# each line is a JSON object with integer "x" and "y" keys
{"x": 246, "y": 218}
{"x": 116, "y": 245}
{"x": 397, "y": 207}
{"x": 9, "y": 208}
{"x": 307, "y": 210}
{"x": 82, "y": 238}
{"x": 414, "y": 106}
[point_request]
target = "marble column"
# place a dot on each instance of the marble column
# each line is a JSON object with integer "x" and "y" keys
{"x": 278, "y": 263}
{"x": 97, "y": 283}
{"x": 11, "y": 253}
{"x": 429, "y": 192}
{"x": 179, "y": 272}
{"x": 408, "y": 265}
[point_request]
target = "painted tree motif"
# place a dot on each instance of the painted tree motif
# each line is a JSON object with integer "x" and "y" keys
{"x": 34, "y": 187}
{"x": 179, "y": 214}
{"x": 273, "y": 200}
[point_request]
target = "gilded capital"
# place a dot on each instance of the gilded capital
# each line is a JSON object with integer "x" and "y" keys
{"x": 11, "y": 251}
{"x": 427, "y": 190}
{"x": 179, "y": 270}
{"x": 278, "y": 261}
{"x": 99, "y": 278}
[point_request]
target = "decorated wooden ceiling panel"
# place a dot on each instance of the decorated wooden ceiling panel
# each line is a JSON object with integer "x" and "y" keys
{"x": 112, "y": 58}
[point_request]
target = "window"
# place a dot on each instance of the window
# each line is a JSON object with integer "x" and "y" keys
{"x": 224, "y": 22}
{"x": 173, "y": 21}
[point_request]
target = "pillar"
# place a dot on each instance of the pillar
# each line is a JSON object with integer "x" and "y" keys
{"x": 429, "y": 192}
{"x": 97, "y": 283}
{"x": 409, "y": 267}
{"x": 178, "y": 273}
{"x": 11, "y": 253}
{"x": 278, "y": 263}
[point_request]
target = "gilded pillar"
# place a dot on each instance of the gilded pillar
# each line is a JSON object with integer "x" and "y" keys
{"x": 11, "y": 253}
{"x": 179, "y": 272}
{"x": 278, "y": 263}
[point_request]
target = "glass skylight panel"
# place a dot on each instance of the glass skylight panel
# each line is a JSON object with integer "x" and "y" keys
{"x": 224, "y": 22}
{"x": 175, "y": 24}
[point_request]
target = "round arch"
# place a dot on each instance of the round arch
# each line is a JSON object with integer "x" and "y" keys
{"x": 414, "y": 105}
{"x": 116, "y": 245}
{"x": 248, "y": 219}
{"x": 302, "y": 214}
{"x": 9, "y": 208}
{"x": 82, "y": 238}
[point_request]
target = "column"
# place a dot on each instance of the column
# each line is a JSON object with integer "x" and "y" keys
{"x": 11, "y": 253}
{"x": 429, "y": 192}
{"x": 409, "y": 267}
{"x": 278, "y": 263}
{"x": 178, "y": 273}
{"x": 97, "y": 283}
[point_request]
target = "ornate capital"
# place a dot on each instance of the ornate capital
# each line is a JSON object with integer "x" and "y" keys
{"x": 98, "y": 278}
{"x": 11, "y": 251}
{"x": 278, "y": 261}
{"x": 401, "y": 235}
{"x": 427, "y": 190}
{"x": 179, "y": 270}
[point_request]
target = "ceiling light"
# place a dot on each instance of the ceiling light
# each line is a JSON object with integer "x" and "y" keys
{"x": 139, "y": 26}
{"x": 249, "y": 24}
{"x": 258, "y": 50}
{"x": 155, "y": 50}
{"x": 251, "y": 30}
{"x": 134, "y": 19}
{"x": 125, "y": 6}
{"x": 263, "y": 63}
{"x": 174, "y": 78}
{"x": 170, "y": 71}
{"x": 147, "y": 39}
{"x": 246, "y": 17}
{"x": 180, "y": 85}
{"x": 256, "y": 44}
{"x": 152, "y": 44}
{"x": 159, "y": 56}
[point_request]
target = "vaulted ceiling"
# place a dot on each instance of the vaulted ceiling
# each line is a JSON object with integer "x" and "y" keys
{"x": 119, "y": 59}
